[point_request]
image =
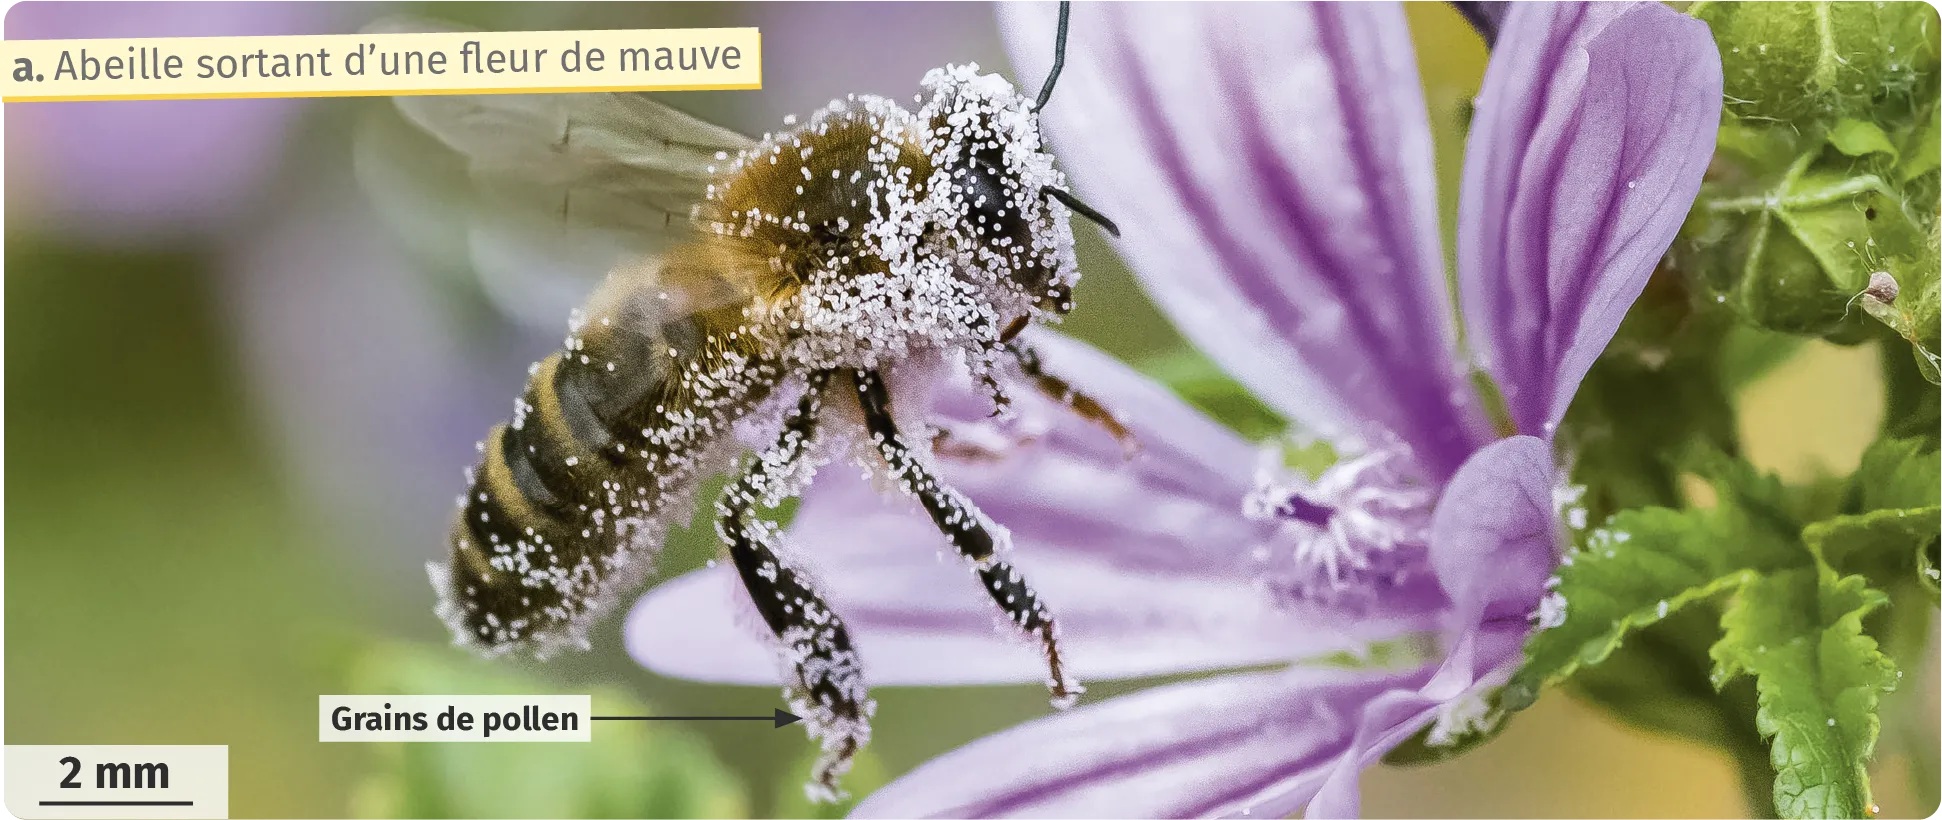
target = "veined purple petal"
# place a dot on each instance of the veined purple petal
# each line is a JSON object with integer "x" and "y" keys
{"x": 1205, "y": 748}
{"x": 1271, "y": 163}
{"x": 1495, "y": 537}
{"x": 921, "y": 618}
{"x": 1481, "y": 656}
{"x": 1146, "y": 562}
{"x": 1594, "y": 126}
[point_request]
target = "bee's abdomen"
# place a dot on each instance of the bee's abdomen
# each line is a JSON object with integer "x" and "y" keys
{"x": 564, "y": 505}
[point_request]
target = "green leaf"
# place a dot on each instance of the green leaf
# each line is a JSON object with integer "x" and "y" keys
{"x": 1820, "y": 679}
{"x": 1898, "y": 474}
{"x": 1642, "y": 566}
{"x": 1884, "y": 545}
{"x": 1925, "y": 148}
{"x": 1857, "y": 138}
{"x": 629, "y": 769}
{"x": 1893, "y": 516}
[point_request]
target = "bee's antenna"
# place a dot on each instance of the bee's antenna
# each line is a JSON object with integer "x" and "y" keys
{"x": 1058, "y": 58}
{"x": 1083, "y": 209}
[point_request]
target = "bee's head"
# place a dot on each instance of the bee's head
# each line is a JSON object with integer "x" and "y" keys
{"x": 1008, "y": 205}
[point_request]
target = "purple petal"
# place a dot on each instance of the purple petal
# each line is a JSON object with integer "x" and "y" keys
{"x": 1493, "y": 542}
{"x": 1494, "y": 539}
{"x": 1594, "y": 126}
{"x": 1211, "y": 747}
{"x": 1145, "y": 563}
{"x": 919, "y": 620}
{"x": 1270, "y": 166}
{"x": 1480, "y": 657}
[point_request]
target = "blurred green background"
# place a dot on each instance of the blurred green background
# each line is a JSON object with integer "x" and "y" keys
{"x": 238, "y": 404}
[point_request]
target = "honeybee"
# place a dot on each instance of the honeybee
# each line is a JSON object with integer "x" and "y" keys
{"x": 791, "y": 276}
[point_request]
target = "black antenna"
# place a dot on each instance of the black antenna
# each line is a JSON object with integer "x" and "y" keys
{"x": 1083, "y": 209}
{"x": 1045, "y": 95}
{"x": 1058, "y": 57}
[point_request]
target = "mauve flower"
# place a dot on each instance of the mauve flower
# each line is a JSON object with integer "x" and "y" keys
{"x": 1270, "y": 167}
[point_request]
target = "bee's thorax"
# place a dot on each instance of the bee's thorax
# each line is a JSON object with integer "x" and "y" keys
{"x": 870, "y": 232}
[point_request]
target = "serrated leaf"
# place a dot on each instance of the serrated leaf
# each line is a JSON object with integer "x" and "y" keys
{"x": 1642, "y": 566}
{"x": 1898, "y": 474}
{"x": 1883, "y": 545}
{"x": 1759, "y": 497}
{"x": 1893, "y": 515}
{"x": 1820, "y": 679}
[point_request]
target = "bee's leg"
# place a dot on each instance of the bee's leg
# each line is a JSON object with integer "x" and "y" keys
{"x": 1059, "y": 390}
{"x": 827, "y": 688}
{"x": 969, "y": 532}
{"x": 951, "y": 444}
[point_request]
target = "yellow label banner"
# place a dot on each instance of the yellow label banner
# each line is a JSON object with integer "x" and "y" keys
{"x": 388, "y": 64}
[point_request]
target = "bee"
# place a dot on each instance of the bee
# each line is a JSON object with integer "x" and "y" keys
{"x": 792, "y": 277}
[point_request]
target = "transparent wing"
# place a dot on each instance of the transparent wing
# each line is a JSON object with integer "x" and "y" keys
{"x": 561, "y": 187}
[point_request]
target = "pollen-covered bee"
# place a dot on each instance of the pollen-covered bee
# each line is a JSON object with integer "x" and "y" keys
{"x": 794, "y": 278}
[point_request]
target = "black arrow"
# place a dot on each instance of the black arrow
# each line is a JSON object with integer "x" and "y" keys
{"x": 781, "y": 718}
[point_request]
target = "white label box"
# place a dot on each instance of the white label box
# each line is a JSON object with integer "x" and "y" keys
{"x": 455, "y": 718}
{"x": 138, "y": 782}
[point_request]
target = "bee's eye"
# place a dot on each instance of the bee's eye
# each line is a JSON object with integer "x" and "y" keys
{"x": 990, "y": 203}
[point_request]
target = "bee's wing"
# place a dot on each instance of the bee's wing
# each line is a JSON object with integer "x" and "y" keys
{"x": 616, "y": 160}
{"x": 564, "y": 187}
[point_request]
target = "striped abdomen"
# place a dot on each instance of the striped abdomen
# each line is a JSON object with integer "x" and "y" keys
{"x": 565, "y": 502}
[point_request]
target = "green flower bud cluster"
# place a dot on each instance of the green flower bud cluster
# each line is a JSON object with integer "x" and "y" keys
{"x": 1793, "y": 61}
{"x": 1819, "y": 214}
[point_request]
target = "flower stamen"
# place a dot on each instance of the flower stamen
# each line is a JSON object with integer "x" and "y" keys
{"x": 1359, "y": 526}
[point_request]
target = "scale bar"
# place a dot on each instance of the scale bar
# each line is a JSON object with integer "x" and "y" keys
{"x": 117, "y": 802}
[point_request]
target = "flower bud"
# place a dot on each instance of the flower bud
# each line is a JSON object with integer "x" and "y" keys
{"x": 1791, "y": 61}
{"x": 1788, "y": 227}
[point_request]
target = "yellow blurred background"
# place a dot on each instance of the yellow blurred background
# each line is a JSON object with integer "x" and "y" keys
{"x": 238, "y": 404}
